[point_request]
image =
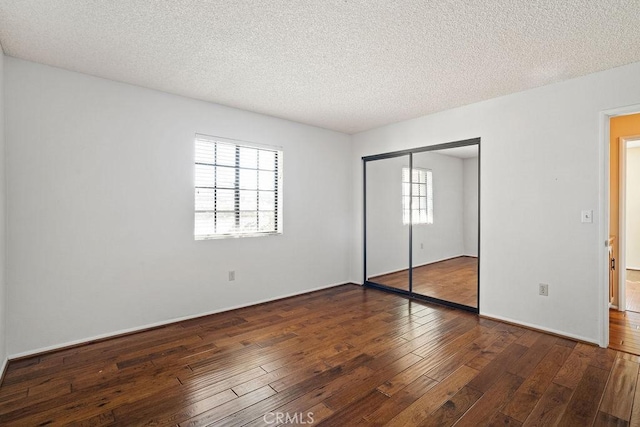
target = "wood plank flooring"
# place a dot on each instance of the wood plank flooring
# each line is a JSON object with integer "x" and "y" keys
{"x": 454, "y": 280}
{"x": 344, "y": 356}
{"x": 624, "y": 326}
{"x": 633, "y": 291}
{"x": 624, "y": 331}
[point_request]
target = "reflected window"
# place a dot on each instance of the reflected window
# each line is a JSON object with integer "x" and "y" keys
{"x": 417, "y": 187}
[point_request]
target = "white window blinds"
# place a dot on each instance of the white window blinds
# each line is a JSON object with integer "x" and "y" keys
{"x": 418, "y": 187}
{"x": 237, "y": 189}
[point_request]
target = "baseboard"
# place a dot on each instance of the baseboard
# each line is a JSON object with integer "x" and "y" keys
{"x": 633, "y": 268}
{"x": 422, "y": 265}
{"x": 5, "y": 363}
{"x": 539, "y": 328}
{"x": 129, "y": 331}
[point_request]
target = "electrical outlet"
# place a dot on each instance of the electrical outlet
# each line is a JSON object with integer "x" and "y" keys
{"x": 543, "y": 290}
{"x": 232, "y": 276}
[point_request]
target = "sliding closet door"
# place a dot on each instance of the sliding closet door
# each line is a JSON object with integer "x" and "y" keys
{"x": 387, "y": 222}
{"x": 445, "y": 224}
{"x": 421, "y": 222}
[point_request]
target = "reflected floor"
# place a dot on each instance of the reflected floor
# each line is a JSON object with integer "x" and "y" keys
{"x": 624, "y": 331}
{"x": 633, "y": 290}
{"x": 454, "y": 280}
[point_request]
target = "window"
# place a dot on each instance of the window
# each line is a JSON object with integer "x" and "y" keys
{"x": 422, "y": 192}
{"x": 237, "y": 189}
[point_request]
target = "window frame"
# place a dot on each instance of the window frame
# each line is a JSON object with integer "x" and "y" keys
{"x": 237, "y": 189}
{"x": 407, "y": 196}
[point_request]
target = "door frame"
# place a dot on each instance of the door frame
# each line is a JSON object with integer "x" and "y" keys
{"x": 604, "y": 182}
{"x": 621, "y": 262}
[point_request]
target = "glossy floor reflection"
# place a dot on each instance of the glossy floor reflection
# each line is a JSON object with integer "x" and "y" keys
{"x": 454, "y": 280}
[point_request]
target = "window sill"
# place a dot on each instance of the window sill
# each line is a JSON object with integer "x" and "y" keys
{"x": 235, "y": 236}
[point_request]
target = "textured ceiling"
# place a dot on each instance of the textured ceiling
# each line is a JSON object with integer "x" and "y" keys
{"x": 348, "y": 65}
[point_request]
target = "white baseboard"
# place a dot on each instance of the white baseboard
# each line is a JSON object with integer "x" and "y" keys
{"x": 632, "y": 268}
{"x": 2, "y": 368}
{"x": 541, "y": 328}
{"x": 161, "y": 323}
{"x": 420, "y": 265}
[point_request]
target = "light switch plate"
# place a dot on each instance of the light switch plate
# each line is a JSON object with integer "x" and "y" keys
{"x": 587, "y": 216}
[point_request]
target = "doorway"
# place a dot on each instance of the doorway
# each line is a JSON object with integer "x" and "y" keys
{"x": 629, "y": 213}
{"x": 624, "y": 227}
{"x": 624, "y": 232}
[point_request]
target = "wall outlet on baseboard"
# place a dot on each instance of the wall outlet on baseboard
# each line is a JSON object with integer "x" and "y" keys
{"x": 543, "y": 289}
{"x": 232, "y": 276}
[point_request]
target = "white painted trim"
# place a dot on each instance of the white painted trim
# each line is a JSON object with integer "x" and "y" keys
{"x": 622, "y": 225}
{"x": 604, "y": 179}
{"x": 540, "y": 328}
{"x": 422, "y": 265}
{"x": 633, "y": 268}
{"x": 603, "y": 209}
{"x": 164, "y": 323}
{"x": 5, "y": 357}
{"x": 4, "y": 365}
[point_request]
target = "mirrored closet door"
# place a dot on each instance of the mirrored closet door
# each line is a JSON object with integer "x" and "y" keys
{"x": 422, "y": 223}
{"x": 387, "y": 245}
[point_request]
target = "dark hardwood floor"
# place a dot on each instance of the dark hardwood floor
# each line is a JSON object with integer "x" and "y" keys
{"x": 633, "y": 291}
{"x": 344, "y": 356}
{"x": 454, "y": 280}
{"x": 624, "y": 326}
{"x": 624, "y": 331}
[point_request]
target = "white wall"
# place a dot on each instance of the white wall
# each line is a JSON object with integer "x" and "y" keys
{"x": 633, "y": 208}
{"x": 453, "y": 192}
{"x": 470, "y": 171}
{"x": 445, "y": 237}
{"x": 100, "y": 198}
{"x": 3, "y": 219}
{"x": 540, "y": 167}
{"x": 387, "y": 237}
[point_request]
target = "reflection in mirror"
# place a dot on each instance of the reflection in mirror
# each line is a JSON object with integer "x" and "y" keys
{"x": 445, "y": 224}
{"x": 387, "y": 237}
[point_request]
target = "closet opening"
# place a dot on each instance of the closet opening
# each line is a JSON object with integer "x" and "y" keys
{"x": 422, "y": 223}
